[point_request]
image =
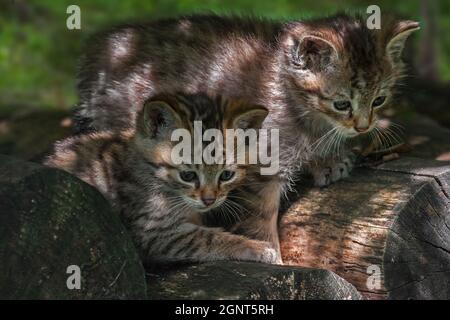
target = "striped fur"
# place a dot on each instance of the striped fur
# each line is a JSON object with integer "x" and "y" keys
{"x": 165, "y": 214}
{"x": 296, "y": 68}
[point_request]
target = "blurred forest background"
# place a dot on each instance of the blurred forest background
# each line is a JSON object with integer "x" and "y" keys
{"x": 38, "y": 54}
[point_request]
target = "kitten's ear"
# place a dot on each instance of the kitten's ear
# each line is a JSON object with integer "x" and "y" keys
{"x": 396, "y": 42}
{"x": 158, "y": 118}
{"x": 246, "y": 116}
{"x": 313, "y": 52}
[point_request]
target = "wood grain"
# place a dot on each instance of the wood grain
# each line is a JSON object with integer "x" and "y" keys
{"x": 394, "y": 217}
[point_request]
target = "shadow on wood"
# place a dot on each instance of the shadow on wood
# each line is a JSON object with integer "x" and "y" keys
{"x": 393, "y": 218}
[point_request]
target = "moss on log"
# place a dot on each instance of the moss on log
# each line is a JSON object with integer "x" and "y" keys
{"x": 50, "y": 220}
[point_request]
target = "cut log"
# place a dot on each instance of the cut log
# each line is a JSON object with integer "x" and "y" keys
{"x": 50, "y": 220}
{"x": 386, "y": 229}
{"x": 245, "y": 280}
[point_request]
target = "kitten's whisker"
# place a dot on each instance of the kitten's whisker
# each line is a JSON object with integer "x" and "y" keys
{"x": 394, "y": 137}
{"x": 390, "y": 137}
{"x": 396, "y": 125}
{"x": 240, "y": 198}
{"x": 379, "y": 143}
{"x": 326, "y": 148}
{"x": 377, "y": 138}
{"x": 241, "y": 208}
{"x": 398, "y": 132}
{"x": 320, "y": 140}
{"x": 224, "y": 214}
{"x": 340, "y": 142}
{"x": 372, "y": 137}
{"x": 380, "y": 138}
{"x": 238, "y": 206}
{"x": 317, "y": 143}
{"x": 387, "y": 139}
{"x": 179, "y": 205}
{"x": 231, "y": 210}
{"x": 333, "y": 144}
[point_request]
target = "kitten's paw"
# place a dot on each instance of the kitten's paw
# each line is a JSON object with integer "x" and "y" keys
{"x": 270, "y": 255}
{"x": 262, "y": 252}
{"x": 337, "y": 171}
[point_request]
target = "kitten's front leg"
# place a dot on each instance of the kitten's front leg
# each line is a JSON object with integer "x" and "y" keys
{"x": 192, "y": 242}
{"x": 262, "y": 223}
{"x": 331, "y": 170}
{"x": 225, "y": 245}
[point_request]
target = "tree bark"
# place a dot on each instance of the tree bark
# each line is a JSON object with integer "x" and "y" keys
{"x": 244, "y": 280}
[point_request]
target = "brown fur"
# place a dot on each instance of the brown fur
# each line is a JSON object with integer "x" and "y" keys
{"x": 165, "y": 214}
{"x": 297, "y": 69}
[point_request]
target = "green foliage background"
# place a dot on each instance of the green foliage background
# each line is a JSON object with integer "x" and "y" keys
{"x": 38, "y": 54}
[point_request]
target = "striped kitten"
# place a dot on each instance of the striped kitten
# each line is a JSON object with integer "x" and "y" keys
{"x": 164, "y": 204}
{"x": 323, "y": 80}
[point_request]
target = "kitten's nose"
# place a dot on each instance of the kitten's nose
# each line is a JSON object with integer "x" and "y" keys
{"x": 361, "y": 129}
{"x": 208, "y": 201}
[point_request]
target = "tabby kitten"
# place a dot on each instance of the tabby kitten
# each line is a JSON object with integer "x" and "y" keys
{"x": 324, "y": 81}
{"x": 162, "y": 203}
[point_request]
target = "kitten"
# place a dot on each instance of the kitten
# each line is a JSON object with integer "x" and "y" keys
{"x": 162, "y": 203}
{"x": 324, "y": 81}
{"x": 314, "y": 76}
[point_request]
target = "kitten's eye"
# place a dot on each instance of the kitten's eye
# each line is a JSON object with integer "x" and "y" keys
{"x": 188, "y": 176}
{"x": 226, "y": 175}
{"x": 378, "y": 101}
{"x": 342, "y": 105}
